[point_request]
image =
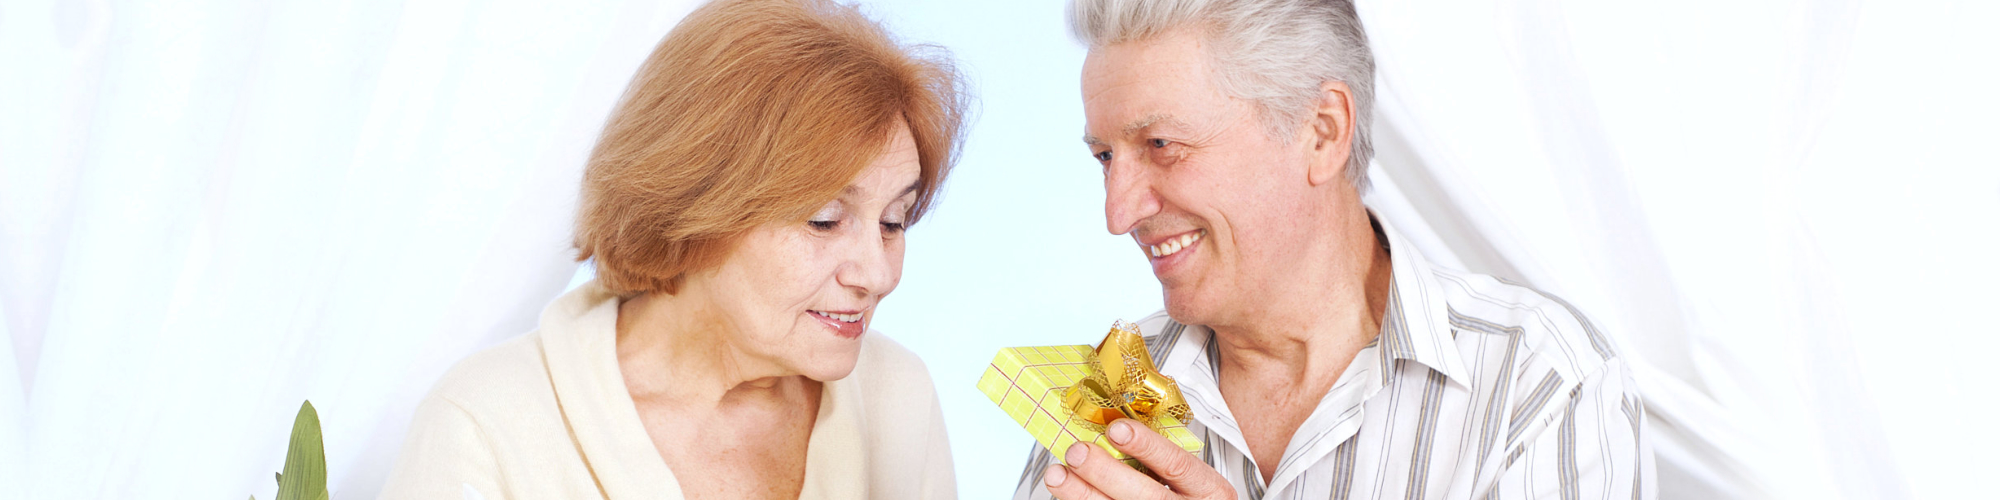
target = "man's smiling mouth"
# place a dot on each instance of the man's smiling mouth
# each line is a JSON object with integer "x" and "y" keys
{"x": 1175, "y": 245}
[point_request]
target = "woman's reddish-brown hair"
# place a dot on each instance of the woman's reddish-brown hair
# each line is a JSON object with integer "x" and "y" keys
{"x": 753, "y": 112}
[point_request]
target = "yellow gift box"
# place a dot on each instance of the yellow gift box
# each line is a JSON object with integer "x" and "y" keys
{"x": 1051, "y": 392}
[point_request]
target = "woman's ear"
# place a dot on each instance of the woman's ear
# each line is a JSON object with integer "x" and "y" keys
{"x": 1331, "y": 133}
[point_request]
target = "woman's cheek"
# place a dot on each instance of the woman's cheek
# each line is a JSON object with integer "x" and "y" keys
{"x": 895, "y": 258}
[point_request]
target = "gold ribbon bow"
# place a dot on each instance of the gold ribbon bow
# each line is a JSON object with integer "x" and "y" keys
{"x": 1124, "y": 383}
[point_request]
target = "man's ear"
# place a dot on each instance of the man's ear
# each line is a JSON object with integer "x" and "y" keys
{"x": 1330, "y": 133}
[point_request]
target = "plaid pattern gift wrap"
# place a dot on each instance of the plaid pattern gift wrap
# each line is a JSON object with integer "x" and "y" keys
{"x": 1067, "y": 394}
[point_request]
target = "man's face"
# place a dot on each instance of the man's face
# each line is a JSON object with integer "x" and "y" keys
{"x": 1212, "y": 200}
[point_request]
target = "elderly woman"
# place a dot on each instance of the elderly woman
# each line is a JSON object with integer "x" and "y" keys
{"x": 745, "y": 208}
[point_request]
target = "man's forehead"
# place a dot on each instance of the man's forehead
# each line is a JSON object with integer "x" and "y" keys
{"x": 1133, "y": 86}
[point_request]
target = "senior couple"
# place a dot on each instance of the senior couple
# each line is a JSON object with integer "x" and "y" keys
{"x": 746, "y": 208}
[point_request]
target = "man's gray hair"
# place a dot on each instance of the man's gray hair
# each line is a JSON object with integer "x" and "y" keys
{"x": 1275, "y": 53}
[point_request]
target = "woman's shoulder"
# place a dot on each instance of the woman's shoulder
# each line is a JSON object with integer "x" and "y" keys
{"x": 890, "y": 377}
{"x": 908, "y": 448}
{"x": 883, "y": 360}
{"x": 503, "y": 377}
{"x": 491, "y": 425}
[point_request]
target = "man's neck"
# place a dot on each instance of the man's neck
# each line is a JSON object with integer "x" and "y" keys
{"x": 1327, "y": 310}
{"x": 1277, "y": 367}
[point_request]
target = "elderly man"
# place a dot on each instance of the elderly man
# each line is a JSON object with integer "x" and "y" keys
{"x": 1322, "y": 356}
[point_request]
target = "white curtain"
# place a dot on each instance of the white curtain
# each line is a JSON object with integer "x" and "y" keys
{"x": 1785, "y": 210}
{"x": 212, "y": 210}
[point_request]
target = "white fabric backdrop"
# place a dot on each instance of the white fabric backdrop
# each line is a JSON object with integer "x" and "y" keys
{"x": 211, "y": 211}
{"x": 1777, "y": 205}
{"x": 214, "y": 210}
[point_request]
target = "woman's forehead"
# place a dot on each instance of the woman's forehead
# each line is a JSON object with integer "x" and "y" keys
{"x": 894, "y": 173}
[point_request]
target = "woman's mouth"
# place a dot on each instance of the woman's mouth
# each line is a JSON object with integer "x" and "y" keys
{"x": 845, "y": 324}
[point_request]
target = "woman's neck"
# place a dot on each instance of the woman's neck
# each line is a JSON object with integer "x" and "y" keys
{"x": 676, "y": 349}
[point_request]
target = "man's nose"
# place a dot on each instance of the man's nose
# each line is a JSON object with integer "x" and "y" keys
{"x": 1129, "y": 196}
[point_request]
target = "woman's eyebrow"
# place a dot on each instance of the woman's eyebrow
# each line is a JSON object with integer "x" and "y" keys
{"x": 852, "y": 191}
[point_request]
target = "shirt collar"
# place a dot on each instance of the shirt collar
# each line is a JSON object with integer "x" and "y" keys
{"x": 1414, "y": 325}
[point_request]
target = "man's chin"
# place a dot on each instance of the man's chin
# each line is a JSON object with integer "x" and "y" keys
{"x": 1189, "y": 308}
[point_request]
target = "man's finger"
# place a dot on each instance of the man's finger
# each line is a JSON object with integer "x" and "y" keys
{"x": 1111, "y": 476}
{"x": 1066, "y": 486}
{"x": 1178, "y": 468}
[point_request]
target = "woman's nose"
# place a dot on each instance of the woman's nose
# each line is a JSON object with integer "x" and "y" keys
{"x": 870, "y": 266}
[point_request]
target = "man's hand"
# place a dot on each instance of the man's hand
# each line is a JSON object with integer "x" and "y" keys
{"x": 1093, "y": 475}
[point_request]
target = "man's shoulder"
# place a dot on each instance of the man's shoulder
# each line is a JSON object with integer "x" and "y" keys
{"x": 1546, "y": 323}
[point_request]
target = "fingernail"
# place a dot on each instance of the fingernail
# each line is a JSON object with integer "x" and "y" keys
{"x": 1055, "y": 476}
{"x": 1075, "y": 455}
{"x": 1121, "y": 431}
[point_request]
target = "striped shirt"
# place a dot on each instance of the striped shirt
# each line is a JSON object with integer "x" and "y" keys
{"x": 1474, "y": 389}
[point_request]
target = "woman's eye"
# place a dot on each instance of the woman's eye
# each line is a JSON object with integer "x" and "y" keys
{"x": 1103, "y": 156}
{"x": 1157, "y": 143}
{"x": 893, "y": 227}
{"x": 824, "y": 225}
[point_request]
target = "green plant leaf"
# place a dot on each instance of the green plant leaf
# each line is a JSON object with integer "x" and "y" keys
{"x": 304, "y": 477}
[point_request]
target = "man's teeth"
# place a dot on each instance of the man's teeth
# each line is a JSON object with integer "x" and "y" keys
{"x": 844, "y": 318}
{"x": 1175, "y": 245}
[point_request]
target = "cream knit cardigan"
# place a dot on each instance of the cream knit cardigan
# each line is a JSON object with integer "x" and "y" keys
{"x": 546, "y": 416}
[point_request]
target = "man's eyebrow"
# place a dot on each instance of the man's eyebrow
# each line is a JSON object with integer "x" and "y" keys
{"x": 1148, "y": 121}
{"x": 1135, "y": 127}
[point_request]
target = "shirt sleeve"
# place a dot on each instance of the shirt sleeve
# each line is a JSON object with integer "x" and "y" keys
{"x": 1030, "y": 486}
{"x": 1594, "y": 447}
{"x": 446, "y": 456}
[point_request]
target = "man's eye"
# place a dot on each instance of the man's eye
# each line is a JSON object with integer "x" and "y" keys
{"x": 824, "y": 225}
{"x": 1104, "y": 156}
{"x": 1157, "y": 143}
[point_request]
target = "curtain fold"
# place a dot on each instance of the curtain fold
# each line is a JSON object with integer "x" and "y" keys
{"x": 214, "y": 210}
{"x": 1685, "y": 173}
{"x": 13, "y": 421}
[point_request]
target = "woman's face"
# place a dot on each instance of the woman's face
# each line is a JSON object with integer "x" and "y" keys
{"x": 800, "y": 295}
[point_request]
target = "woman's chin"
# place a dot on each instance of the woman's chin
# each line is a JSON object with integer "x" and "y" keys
{"x": 829, "y": 360}
{"x": 829, "y": 372}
